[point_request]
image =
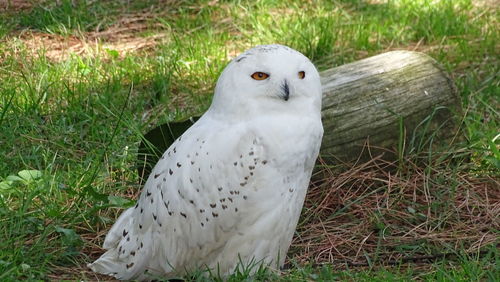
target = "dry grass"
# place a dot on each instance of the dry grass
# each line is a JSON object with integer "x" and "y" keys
{"x": 374, "y": 213}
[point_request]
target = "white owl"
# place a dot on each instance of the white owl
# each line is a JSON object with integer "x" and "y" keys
{"x": 230, "y": 190}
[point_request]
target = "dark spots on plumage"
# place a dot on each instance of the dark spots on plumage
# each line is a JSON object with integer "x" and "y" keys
{"x": 206, "y": 219}
{"x": 164, "y": 179}
{"x": 120, "y": 249}
{"x": 168, "y": 154}
{"x": 213, "y": 206}
{"x": 251, "y": 173}
{"x": 199, "y": 169}
{"x": 152, "y": 200}
{"x": 241, "y": 156}
{"x": 211, "y": 166}
{"x": 180, "y": 194}
{"x": 235, "y": 209}
{"x": 231, "y": 192}
{"x": 191, "y": 201}
{"x": 236, "y": 192}
{"x": 170, "y": 213}
{"x": 202, "y": 224}
{"x": 251, "y": 167}
{"x": 235, "y": 163}
{"x": 156, "y": 175}
{"x": 154, "y": 216}
{"x": 245, "y": 197}
{"x": 148, "y": 193}
{"x": 142, "y": 210}
{"x": 179, "y": 164}
{"x": 243, "y": 184}
{"x": 241, "y": 164}
{"x": 222, "y": 200}
{"x": 246, "y": 177}
{"x": 165, "y": 204}
{"x": 196, "y": 153}
{"x": 240, "y": 59}
{"x": 290, "y": 190}
{"x": 175, "y": 151}
{"x": 264, "y": 162}
{"x": 197, "y": 190}
{"x": 219, "y": 188}
{"x": 137, "y": 205}
{"x": 207, "y": 153}
{"x": 184, "y": 215}
{"x": 192, "y": 162}
{"x": 170, "y": 171}
{"x": 140, "y": 226}
{"x": 159, "y": 223}
{"x": 132, "y": 253}
{"x": 215, "y": 214}
{"x": 128, "y": 239}
{"x": 251, "y": 153}
{"x": 188, "y": 156}
{"x": 124, "y": 233}
{"x": 190, "y": 180}
{"x": 197, "y": 139}
{"x": 130, "y": 265}
{"x": 161, "y": 193}
{"x": 202, "y": 210}
{"x": 142, "y": 245}
{"x": 230, "y": 199}
{"x": 224, "y": 207}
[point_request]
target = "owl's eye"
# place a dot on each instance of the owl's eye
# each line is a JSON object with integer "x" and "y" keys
{"x": 302, "y": 74}
{"x": 259, "y": 75}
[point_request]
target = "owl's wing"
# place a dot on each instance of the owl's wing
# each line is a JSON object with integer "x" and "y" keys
{"x": 194, "y": 198}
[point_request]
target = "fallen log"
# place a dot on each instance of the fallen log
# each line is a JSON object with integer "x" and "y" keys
{"x": 394, "y": 101}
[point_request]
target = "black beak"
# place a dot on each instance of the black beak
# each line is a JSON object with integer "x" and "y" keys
{"x": 285, "y": 90}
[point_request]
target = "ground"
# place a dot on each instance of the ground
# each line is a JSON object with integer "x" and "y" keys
{"x": 82, "y": 80}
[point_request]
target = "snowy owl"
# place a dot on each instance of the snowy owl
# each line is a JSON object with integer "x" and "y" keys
{"x": 230, "y": 190}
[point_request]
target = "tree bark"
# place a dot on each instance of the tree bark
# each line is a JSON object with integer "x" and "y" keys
{"x": 400, "y": 101}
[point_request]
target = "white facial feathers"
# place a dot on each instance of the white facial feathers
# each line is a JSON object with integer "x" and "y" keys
{"x": 268, "y": 77}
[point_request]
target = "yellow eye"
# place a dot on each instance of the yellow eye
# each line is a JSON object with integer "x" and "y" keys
{"x": 259, "y": 75}
{"x": 302, "y": 74}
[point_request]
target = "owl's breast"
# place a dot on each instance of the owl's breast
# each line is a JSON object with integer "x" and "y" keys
{"x": 289, "y": 139}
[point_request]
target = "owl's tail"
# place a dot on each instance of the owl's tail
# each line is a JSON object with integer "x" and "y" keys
{"x": 127, "y": 252}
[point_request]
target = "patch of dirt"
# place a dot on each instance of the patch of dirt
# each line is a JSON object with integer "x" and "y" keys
{"x": 121, "y": 37}
{"x": 15, "y": 5}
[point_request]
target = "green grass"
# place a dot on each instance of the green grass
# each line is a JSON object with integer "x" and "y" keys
{"x": 78, "y": 119}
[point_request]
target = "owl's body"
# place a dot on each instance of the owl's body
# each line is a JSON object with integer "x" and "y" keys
{"x": 231, "y": 189}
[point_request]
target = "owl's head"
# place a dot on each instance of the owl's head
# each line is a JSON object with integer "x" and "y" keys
{"x": 268, "y": 78}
